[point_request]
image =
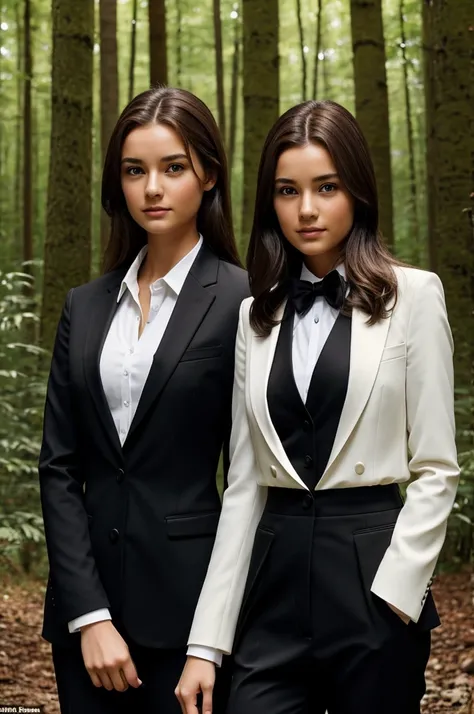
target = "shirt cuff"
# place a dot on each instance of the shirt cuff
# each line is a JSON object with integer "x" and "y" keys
{"x": 209, "y": 653}
{"x": 88, "y": 619}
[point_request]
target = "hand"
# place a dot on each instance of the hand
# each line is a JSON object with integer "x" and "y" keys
{"x": 107, "y": 657}
{"x": 400, "y": 614}
{"x": 198, "y": 676}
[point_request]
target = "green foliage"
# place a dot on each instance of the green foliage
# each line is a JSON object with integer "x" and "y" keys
{"x": 22, "y": 395}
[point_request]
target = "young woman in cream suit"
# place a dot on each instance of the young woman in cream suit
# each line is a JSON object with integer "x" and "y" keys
{"x": 319, "y": 582}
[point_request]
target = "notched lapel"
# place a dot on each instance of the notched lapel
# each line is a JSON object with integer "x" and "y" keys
{"x": 194, "y": 301}
{"x": 367, "y": 345}
{"x": 98, "y": 328}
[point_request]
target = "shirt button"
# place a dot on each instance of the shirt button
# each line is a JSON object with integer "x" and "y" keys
{"x": 114, "y": 535}
{"x": 125, "y": 373}
{"x": 359, "y": 468}
{"x": 308, "y": 462}
{"x": 155, "y": 308}
{"x": 131, "y": 350}
{"x": 125, "y": 404}
{"x": 316, "y": 319}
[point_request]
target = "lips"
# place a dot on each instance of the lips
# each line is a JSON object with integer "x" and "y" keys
{"x": 156, "y": 209}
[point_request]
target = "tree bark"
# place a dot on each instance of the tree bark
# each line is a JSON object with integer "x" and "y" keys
{"x": 260, "y": 92}
{"x": 302, "y": 52}
{"x": 428, "y": 67}
{"x": 417, "y": 251}
{"x": 27, "y": 146}
{"x": 219, "y": 65}
{"x": 317, "y": 50}
{"x": 234, "y": 94}
{"x": 158, "y": 53}
{"x": 371, "y": 96}
{"x": 179, "y": 50}
{"x": 67, "y": 252}
{"x": 109, "y": 90}
{"x": 133, "y": 51}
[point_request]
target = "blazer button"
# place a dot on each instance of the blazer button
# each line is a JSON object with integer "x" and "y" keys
{"x": 359, "y": 468}
{"x": 120, "y": 475}
{"x": 308, "y": 462}
{"x": 307, "y": 500}
{"x": 114, "y": 535}
{"x": 273, "y": 471}
{"x": 306, "y": 425}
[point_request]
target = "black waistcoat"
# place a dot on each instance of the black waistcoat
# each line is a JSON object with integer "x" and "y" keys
{"x": 307, "y": 431}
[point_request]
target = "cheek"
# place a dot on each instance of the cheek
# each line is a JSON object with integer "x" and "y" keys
{"x": 133, "y": 196}
{"x": 187, "y": 193}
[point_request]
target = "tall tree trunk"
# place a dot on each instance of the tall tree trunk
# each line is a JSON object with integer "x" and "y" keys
{"x": 302, "y": 52}
{"x": 67, "y": 254}
{"x": 260, "y": 91}
{"x": 417, "y": 251}
{"x": 19, "y": 119}
{"x": 216, "y": 5}
{"x": 450, "y": 163}
{"x": 371, "y": 96}
{"x": 428, "y": 66}
{"x": 133, "y": 51}
{"x": 317, "y": 50}
{"x": 179, "y": 46}
{"x": 234, "y": 93}
{"x": 157, "y": 30}
{"x": 108, "y": 90}
{"x": 27, "y": 146}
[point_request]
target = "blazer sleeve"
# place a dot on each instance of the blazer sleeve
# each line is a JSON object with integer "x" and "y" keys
{"x": 217, "y": 612}
{"x": 405, "y": 573}
{"x": 75, "y": 581}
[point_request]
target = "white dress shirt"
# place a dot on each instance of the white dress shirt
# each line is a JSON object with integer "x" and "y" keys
{"x": 309, "y": 337}
{"x": 127, "y": 357}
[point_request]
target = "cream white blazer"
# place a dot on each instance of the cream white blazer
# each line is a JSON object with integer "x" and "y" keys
{"x": 397, "y": 424}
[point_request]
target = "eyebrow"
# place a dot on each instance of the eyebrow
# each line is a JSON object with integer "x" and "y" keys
{"x": 323, "y": 177}
{"x": 171, "y": 157}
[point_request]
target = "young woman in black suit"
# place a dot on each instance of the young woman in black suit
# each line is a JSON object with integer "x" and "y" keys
{"x": 137, "y": 412}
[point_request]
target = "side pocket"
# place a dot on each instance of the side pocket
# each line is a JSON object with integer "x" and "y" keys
{"x": 261, "y": 547}
{"x": 370, "y": 546}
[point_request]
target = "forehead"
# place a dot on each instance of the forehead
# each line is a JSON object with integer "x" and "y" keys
{"x": 152, "y": 139}
{"x": 310, "y": 159}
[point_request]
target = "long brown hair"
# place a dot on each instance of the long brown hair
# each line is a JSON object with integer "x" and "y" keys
{"x": 193, "y": 122}
{"x": 271, "y": 259}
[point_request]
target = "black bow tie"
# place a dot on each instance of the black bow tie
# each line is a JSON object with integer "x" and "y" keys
{"x": 303, "y": 293}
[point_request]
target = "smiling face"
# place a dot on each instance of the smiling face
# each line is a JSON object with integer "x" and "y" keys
{"x": 314, "y": 209}
{"x": 162, "y": 191}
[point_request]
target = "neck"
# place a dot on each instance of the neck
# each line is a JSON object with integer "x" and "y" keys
{"x": 321, "y": 265}
{"x": 164, "y": 252}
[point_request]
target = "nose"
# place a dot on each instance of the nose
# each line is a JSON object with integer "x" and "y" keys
{"x": 153, "y": 186}
{"x": 307, "y": 206}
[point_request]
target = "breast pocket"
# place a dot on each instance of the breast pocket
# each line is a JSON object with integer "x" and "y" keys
{"x": 394, "y": 352}
{"x": 199, "y": 353}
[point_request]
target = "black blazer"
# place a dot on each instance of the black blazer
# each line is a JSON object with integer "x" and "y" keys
{"x": 132, "y": 528}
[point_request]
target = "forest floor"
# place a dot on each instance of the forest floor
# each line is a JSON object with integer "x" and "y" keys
{"x": 27, "y": 679}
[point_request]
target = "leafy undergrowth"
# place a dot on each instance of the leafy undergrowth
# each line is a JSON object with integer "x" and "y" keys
{"x": 26, "y": 675}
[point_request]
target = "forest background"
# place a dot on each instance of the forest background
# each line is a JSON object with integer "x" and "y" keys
{"x": 67, "y": 68}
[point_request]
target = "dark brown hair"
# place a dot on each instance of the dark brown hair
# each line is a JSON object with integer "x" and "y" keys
{"x": 271, "y": 259}
{"x": 193, "y": 122}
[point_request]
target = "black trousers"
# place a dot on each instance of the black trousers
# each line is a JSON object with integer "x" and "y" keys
{"x": 159, "y": 671}
{"x": 311, "y": 636}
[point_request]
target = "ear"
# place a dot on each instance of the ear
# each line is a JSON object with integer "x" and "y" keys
{"x": 210, "y": 181}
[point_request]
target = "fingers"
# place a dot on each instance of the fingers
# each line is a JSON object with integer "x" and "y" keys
{"x": 187, "y": 700}
{"x": 207, "y": 699}
{"x": 130, "y": 674}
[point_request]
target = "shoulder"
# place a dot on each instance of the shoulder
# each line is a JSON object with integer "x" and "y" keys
{"x": 234, "y": 278}
{"x": 411, "y": 280}
{"x": 103, "y": 282}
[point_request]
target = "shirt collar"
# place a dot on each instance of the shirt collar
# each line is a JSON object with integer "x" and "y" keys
{"x": 308, "y": 275}
{"x": 174, "y": 279}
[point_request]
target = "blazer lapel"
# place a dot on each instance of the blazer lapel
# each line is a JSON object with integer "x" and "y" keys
{"x": 99, "y": 324}
{"x": 367, "y": 344}
{"x": 261, "y": 360}
{"x": 192, "y": 305}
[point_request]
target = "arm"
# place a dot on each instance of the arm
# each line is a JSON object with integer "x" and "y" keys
{"x": 404, "y": 575}
{"x": 74, "y": 577}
